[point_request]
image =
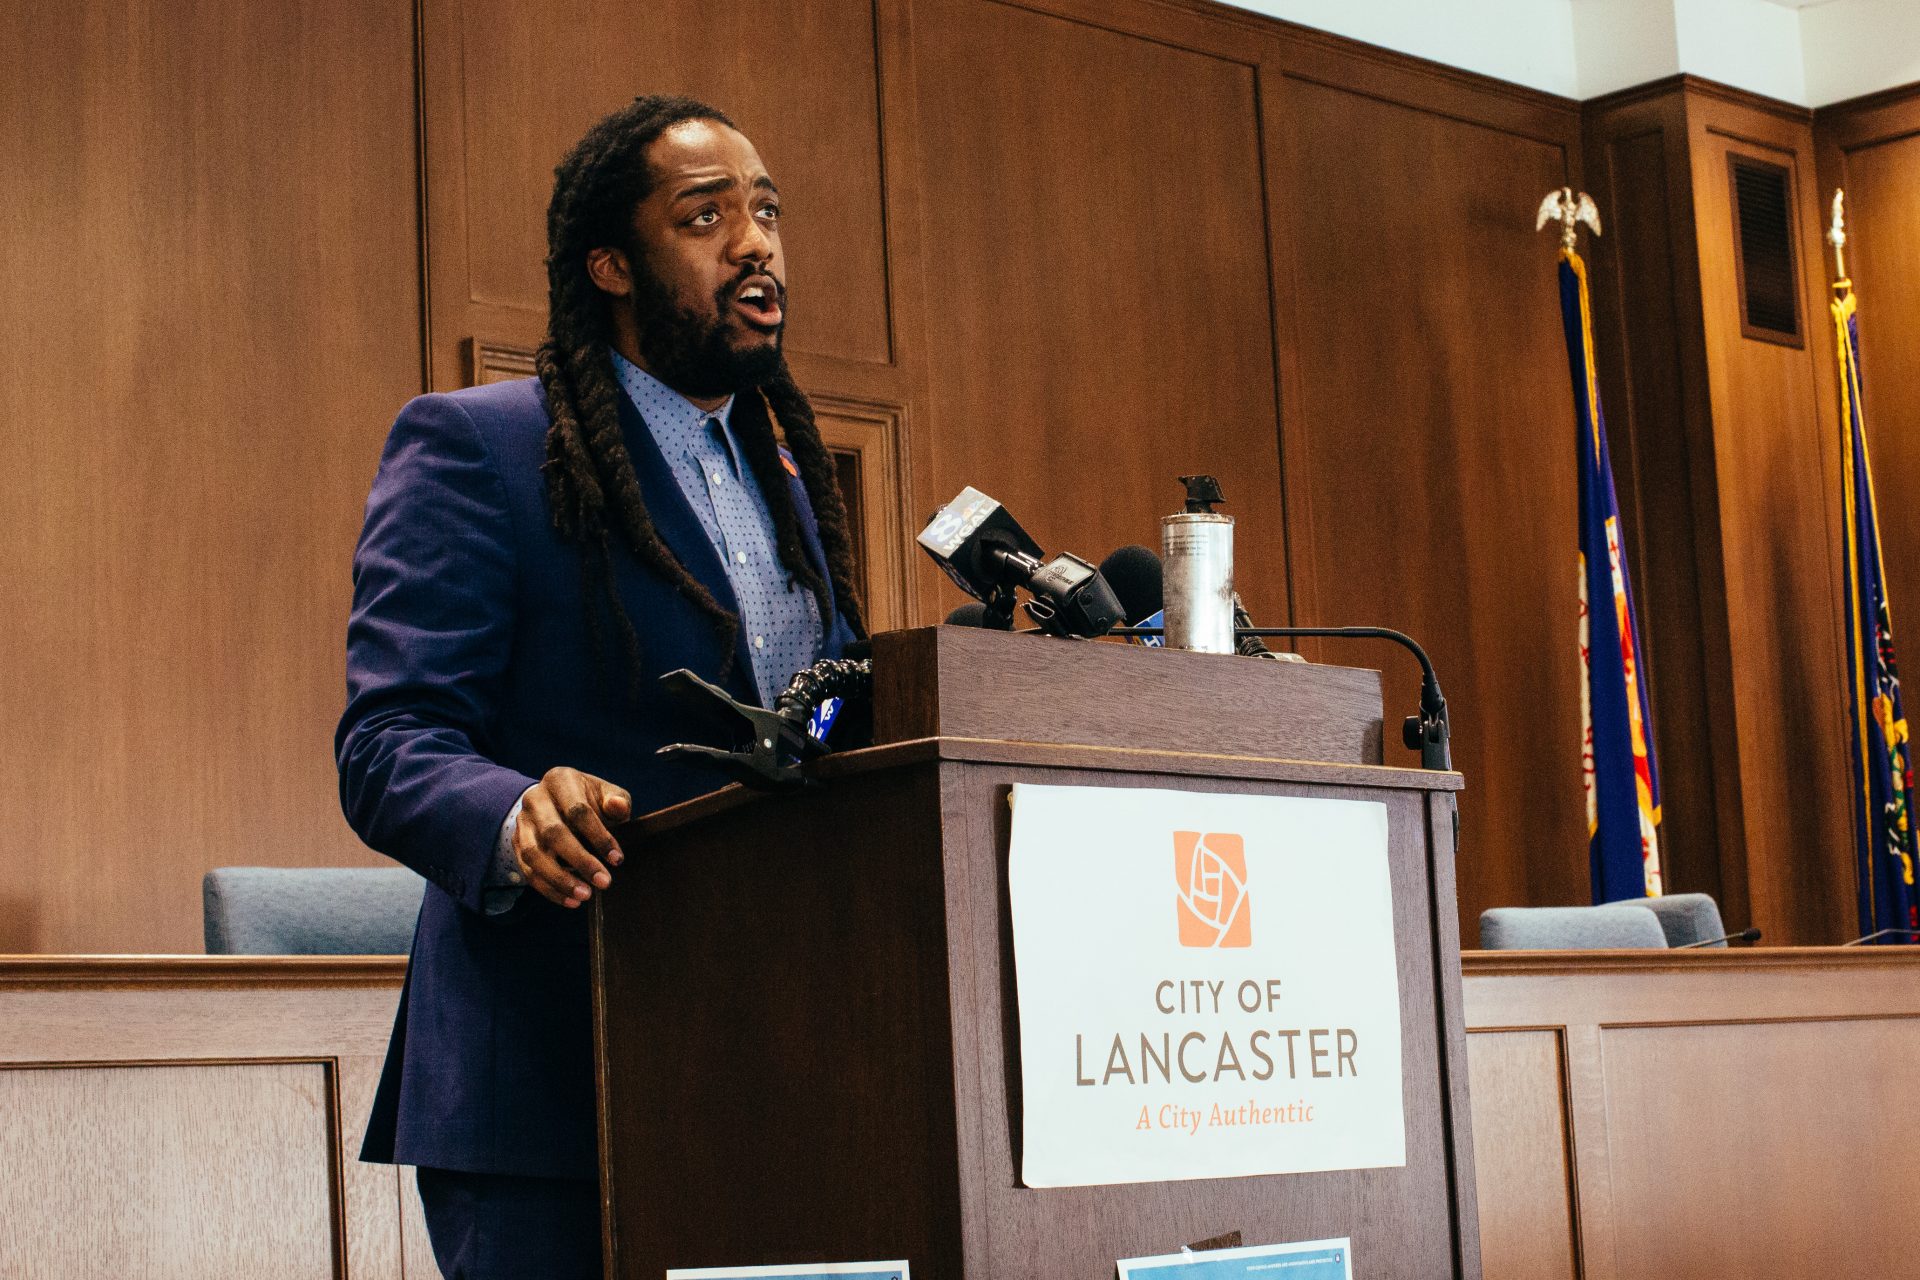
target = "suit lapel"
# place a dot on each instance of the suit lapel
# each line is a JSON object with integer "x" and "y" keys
{"x": 680, "y": 529}
{"x": 810, "y": 545}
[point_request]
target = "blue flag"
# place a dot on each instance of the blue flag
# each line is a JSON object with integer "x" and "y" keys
{"x": 1882, "y": 769}
{"x": 1622, "y": 784}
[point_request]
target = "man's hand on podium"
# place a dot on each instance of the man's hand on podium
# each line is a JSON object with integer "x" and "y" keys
{"x": 561, "y": 839}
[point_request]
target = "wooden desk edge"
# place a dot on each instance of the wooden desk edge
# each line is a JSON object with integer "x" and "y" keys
{"x": 896, "y": 755}
{"x": 1745, "y": 959}
{"x": 25, "y": 971}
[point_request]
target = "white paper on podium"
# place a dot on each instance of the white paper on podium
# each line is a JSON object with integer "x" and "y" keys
{"x": 1207, "y": 985}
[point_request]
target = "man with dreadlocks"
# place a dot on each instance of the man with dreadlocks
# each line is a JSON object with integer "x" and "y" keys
{"x": 535, "y": 554}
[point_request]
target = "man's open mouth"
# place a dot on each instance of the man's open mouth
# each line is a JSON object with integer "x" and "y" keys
{"x": 758, "y": 302}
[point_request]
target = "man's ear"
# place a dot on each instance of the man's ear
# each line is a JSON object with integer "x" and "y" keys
{"x": 610, "y": 272}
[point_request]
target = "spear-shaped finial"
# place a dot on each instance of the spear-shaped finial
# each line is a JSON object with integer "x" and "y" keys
{"x": 1569, "y": 210}
{"x": 1837, "y": 235}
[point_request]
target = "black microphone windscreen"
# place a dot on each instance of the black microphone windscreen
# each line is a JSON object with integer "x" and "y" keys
{"x": 968, "y": 615}
{"x": 1138, "y": 581}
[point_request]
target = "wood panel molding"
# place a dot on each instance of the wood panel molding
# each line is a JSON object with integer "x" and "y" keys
{"x": 1209, "y": 26}
{"x": 1698, "y": 87}
{"x": 109, "y": 972}
{"x": 497, "y": 362}
{"x": 872, "y": 435}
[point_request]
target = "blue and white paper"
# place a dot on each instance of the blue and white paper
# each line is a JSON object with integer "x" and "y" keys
{"x": 820, "y": 723}
{"x": 1309, "y": 1260}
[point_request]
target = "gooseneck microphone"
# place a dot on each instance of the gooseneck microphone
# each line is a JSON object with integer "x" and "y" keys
{"x": 1426, "y": 731}
{"x": 1745, "y": 935}
{"x": 988, "y": 555}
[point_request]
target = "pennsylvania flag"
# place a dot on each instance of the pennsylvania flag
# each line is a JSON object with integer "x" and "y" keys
{"x": 1622, "y": 785}
{"x": 1882, "y": 772}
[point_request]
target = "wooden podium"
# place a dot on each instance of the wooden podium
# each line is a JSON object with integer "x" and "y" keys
{"x": 805, "y": 1021}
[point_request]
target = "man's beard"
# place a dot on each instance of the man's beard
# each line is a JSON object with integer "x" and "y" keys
{"x": 691, "y": 353}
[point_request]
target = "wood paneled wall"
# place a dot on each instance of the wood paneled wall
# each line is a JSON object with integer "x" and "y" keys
{"x": 209, "y": 240}
{"x": 1427, "y": 431}
{"x": 1064, "y": 250}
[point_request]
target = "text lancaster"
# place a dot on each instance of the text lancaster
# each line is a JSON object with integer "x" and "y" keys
{"x": 1327, "y": 1053}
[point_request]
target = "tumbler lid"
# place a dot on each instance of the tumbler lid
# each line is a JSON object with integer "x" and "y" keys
{"x": 1202, "y": 493}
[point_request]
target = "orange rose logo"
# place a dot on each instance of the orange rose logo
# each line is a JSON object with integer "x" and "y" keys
{"x": 1211, "y": 870}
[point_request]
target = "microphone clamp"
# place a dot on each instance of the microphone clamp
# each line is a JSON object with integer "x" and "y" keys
{"x": 768, "y": 749}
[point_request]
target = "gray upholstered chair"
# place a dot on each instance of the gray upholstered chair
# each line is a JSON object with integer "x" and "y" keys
{"x": 1688, "y": 918}
{"x": 1615, "y": 925}
{"x": 310, "y": 911}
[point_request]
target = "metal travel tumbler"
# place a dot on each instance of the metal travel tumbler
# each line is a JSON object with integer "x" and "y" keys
{"x": 1197, "y": 547}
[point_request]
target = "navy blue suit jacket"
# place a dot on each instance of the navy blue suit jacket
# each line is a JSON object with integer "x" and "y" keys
{"x": 470, "y": 673}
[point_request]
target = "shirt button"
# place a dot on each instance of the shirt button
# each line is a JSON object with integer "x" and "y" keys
{"x": 514, "y": 877}
{"x": 740, "y": 557}
{"x": 759, "y": 642}
{"x": 718, "y": 478}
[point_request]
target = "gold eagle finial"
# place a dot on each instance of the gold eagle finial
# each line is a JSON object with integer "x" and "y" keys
{"x": 1569, "y": 210}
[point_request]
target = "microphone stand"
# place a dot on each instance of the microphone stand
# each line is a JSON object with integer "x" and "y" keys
{"x": 1426, "y": 732}
{"x": 1745, "y": 935}
{"x": 1872, "y": 937}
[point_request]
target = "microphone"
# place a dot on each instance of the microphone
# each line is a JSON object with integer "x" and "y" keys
{"x": 1138, "y": 579}
{"x": 1745, "y": 935}
{"x": 988, "y": 555}
{"x": 1883, "y": 933}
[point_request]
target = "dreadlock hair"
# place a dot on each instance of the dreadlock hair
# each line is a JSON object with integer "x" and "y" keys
{"x": 592, "y": 490}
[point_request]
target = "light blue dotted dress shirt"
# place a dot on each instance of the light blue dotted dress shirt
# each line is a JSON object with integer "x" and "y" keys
{"x": 779, "y": 616}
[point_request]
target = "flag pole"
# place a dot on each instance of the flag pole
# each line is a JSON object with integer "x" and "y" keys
{"x": 1837, "y": 237}
{"x": 1881, "y": 749}
{"x": 1618, "y": 772}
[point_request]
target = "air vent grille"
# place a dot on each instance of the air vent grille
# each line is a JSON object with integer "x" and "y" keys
{"x": 1763, "y": 218}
